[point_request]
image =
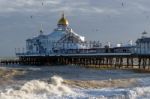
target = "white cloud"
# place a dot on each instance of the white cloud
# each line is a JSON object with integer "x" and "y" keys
{"x": 25, "y": 5}
{"x": 74, "y": 6}
{"x": 140, "y": 7}
{"x": 69, "y": 6}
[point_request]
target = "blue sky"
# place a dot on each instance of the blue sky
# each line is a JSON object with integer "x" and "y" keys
{"x": 103, "y": 20}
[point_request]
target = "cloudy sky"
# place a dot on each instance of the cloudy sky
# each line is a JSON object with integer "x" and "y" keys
{"x": 116, "y": 21}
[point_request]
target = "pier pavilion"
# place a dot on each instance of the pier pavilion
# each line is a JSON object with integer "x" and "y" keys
{"x": 63, "y": 46}
{"x": 62, "y": 39}
{"x": 143, "y": 44}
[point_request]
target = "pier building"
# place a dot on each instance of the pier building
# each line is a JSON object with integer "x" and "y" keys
{"x": 62, "y": 39}
{"x": 143, "y": 44}
{"x": 63, "y": 46}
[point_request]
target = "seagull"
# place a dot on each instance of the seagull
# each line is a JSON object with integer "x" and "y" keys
{"x": 122, "y": 4}
{"x": 96, "y": 29}
{"x": 31, "y": 16}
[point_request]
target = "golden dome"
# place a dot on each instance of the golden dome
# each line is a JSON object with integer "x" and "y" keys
{"x": 63, "y": 21}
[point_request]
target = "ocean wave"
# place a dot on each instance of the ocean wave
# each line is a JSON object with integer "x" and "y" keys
{"x": 114, "y": 93}
{"x": 57, "y": 88}
{"x": 37, "y": 89}
{"x": 115, "y": 83}
{"x": 34, "y": 69}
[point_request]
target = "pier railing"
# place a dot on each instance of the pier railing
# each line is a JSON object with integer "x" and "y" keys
{"x": 73, "y": 54}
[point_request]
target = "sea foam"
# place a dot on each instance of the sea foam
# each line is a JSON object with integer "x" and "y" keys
{"x": 56, "y": 89}
{"x": 37, "y": 89}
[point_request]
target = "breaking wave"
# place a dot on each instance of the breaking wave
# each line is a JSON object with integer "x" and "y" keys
{"x": 37, "y": 89}
{"x": 116, "y": 93}
{"x": 56, "y": 88}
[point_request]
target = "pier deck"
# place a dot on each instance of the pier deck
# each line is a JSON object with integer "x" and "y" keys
{"x": 101, "y": 60}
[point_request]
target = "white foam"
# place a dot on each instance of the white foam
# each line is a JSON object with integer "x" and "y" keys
{"x": 34, "y": 69}
{"x": 55, "y": 89}
{"x": 118, "y": 93}
{"x": 36, "y": 89}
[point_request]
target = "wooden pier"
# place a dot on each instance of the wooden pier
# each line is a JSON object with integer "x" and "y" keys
{"x": 94, "y": 60}
{"x": 8, "y": 62}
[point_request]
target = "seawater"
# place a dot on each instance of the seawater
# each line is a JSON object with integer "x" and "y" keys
{"x": 46, "y": 82}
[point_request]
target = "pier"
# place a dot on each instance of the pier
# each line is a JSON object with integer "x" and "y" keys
{"x": 101, "y": 60}
{"x": 65, "y": 47}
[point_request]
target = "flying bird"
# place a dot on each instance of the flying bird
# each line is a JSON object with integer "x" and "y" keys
{"x": 122, "y": 4}
{"x": 31, "y": 16}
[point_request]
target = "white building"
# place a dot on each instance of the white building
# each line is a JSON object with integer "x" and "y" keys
{"x": 143, "y": 45}
{"x": 61, "y": 39}
{"x": 64, "y": 40}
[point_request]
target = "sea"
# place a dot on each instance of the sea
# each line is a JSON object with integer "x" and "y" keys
{"x": 74, "y": 82}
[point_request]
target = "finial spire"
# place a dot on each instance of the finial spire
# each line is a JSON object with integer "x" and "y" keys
{"x": 41, "y": 30}
{"x": 63, "y": 15}
{"x": 144, "y": 34}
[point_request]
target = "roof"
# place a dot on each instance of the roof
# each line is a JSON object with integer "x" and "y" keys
{"x": 143, "y": 40}
{"x": 63, "y": 21}
{"x": 61, "y": 32}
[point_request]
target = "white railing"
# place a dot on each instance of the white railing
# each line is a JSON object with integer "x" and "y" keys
{"x": 70, "y": 54}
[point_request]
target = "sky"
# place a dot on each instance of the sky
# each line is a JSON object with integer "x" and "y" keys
{"x": 115, "y": 21}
